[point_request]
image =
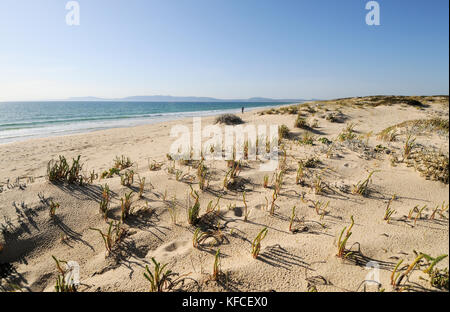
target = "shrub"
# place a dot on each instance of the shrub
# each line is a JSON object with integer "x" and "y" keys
{"x": 229, "y": 119}
{"x": 283, "y": 132}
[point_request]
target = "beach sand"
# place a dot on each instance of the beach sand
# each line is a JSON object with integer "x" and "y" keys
{"x": 300, "y": 261}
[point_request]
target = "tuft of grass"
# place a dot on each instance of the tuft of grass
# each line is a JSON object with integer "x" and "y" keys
{"x": 202, "y": 173}
{"x": 389, "y": 212}
{"x": 266, "y": 181}
{"x": 409, "y": 146}
{"x": 325, "y": 141}
{"x": 61, "y": 171}
{"x": 194, "y": 210}
{"x": 110, "y": 173}
{"x": 122, "y": 162}
{"x": 278, "y": 181}
{"x": 362, "y": 187}
{"x": 61, "y": 285}
{"x": 113, "y": 236}
{"x": 246, "y": 212}
{"x": 342, "y": 251}
{"x": 198, "y": 237}
{"x": 53, "y": 207}
{"x": 172, "y": 208}
{"x": 104, "y": 202}
{"x": 274, "y": 198}
{"x": 127, "y": 179}
{"x": 300, "y": 176}
{"x": 320, "y": 207}
{"x": 141, "y": 186}
{"x": 216, "y": 266}
{"x": 126, "y": 206}
{"x": 161, "y": 278}
{"x": 283, "y": 132}
{"x": 256, "y": 244}
{"x": 301, "y": 123}
{"x": 291, "y": 222}
{"x": 318, "y": 185}
{"x": 348, "y": 133}
{"x": 154, "y": 166}
{"x": 306, "y": 139}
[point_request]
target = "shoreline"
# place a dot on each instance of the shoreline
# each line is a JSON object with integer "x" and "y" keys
{"x": 148, "y": 121}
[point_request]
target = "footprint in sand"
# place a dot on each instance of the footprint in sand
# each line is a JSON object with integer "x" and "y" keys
{"x": 171, "y": 249}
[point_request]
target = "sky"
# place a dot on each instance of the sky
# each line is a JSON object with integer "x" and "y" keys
{"x": 222, "y": 48}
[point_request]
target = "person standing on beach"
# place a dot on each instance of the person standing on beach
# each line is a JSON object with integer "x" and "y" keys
{"x": 242, "y": 109}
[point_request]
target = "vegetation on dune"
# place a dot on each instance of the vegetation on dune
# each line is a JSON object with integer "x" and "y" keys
{"x": 229, "y": 119}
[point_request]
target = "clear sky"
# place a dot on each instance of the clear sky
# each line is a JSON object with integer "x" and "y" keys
{"x": 222, "y": 48}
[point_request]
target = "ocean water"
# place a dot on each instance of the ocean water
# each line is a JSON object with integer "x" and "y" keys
{"x": 25, "y": 120}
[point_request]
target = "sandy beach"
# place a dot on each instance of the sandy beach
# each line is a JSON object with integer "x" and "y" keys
{"x": 400, "y": 212}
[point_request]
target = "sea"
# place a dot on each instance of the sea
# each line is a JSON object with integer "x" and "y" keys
{"x": 25, "y": 120}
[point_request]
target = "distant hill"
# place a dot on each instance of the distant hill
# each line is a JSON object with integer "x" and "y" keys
{"x": 168, "y": 98}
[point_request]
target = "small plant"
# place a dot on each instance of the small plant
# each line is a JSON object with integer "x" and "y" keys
{"x": 321, "y": 207}
{"x": 291, "y": 222}
{"x": 141, "y": 186}
{"x": 122, "y": 162}
{"x": 342, "y": 252}
{"x": 362, "y": 187}
{"x": 395, "y": 275}
{"x": 246, "y": 212}
{"x": 61, "y": 285}
{"x": 126, "y": 206}
{"x": 160, "y": 279}
{"x": 194, "y": 210}
{"x": 60, "y": 171}
{"x": 127, "y": 179}
{"x": 92, "y": 177}
{"x": 278, "y": 181}
{"x": 198, "y": 237}
{"x": 256, "y": 244}
{"x": 212, "y": 207}
{"x": 172, "y": 207}
{"x": 324, "y": 141}
{"x": 306, "y": 139}
{"x": 301, "y": 123}
{"x": 419, "y": 214}
{"x": 113, "y": 236}
{"x": 216, "y": 266}
{"x": 408, "y": 147}
{"x": 266, "y": 181}
{"x": 154, "y": 166}
{"x": 318, "y": 185}
{"x": 53, "y": 207}
{"x": 110, "y": 173}
{"x": 389, "y": 212}
{"x": 348, "y": 133}
{"x": 104, "y": 202}
{"x": 202, "y": 173}
{"x": 274, "y": 198}
{"x": 283, "y": 132}
{"x": 300, "y": 176}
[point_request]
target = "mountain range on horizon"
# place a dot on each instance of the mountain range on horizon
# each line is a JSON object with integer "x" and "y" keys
{"x": 169, "y": 98}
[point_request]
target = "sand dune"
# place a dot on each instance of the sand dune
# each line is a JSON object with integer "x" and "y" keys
{"x": 302, "y": 260}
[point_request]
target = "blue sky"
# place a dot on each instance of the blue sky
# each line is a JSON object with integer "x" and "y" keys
{"x": 222, "y": 48}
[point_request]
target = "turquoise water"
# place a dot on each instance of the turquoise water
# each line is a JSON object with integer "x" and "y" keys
{"x": 25, "y": 120}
